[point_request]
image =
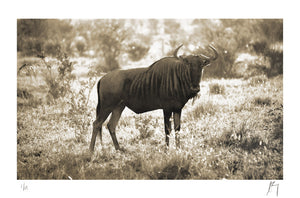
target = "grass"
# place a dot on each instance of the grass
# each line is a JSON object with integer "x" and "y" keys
{"x": 204, "y": 109}
{"x": 237, "y": 134}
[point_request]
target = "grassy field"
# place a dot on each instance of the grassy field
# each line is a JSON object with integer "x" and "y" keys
{"x": 234, "y": 130}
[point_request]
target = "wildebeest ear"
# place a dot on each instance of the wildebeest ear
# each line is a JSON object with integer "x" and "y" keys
{"x": 205, "y": 63}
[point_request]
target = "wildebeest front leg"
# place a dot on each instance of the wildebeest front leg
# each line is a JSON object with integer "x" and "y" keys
{"x": 177, "y": 116}
{"x": 167, "y": 116}
{"x": 115, "y": 116}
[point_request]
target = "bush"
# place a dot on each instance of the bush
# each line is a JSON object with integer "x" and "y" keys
{"x": 257, "y": 80}
{"x": 240, "y": 136}
{"x": 277, "y": 133}
{"x": 216, "y": 88}
{"x": 276, "y": 62}
{"x": 58, "y": 80}
{"x": 223, "y": 66}
{"x": 52, "y": 48}
{"x": 207, "y": 108}
{"x": 24, "y": 93}
{"x": 25, "y": 98}
{"x": 100, "y": 67}
{"x": 271, "y": 52}
{"x": 79, "y": 109}
{"x": 262, "y": 101}
{"x": 80, "y": 46}
{"x": 145, "y": 125}
{"x": 31, "y": 46}
{"x": 174, "y": 166}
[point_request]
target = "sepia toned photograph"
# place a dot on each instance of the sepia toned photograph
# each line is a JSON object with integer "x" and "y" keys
{"x": 149, "y": 99}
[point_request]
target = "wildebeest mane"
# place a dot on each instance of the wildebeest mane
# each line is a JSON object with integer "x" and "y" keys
{"x": 167, "y": 77}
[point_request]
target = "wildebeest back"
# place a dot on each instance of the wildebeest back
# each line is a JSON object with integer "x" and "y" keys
{"x": 165, "y": 84}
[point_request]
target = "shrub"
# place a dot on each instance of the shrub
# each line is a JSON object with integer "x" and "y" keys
{"x": 100, "y": 67}
{"x": 80, "y": 46}
{"x": 54, "y": 88}
{"x": 79, "y": 109}
{"x": 240, "y": 136}
{"x": 223, "y": 66}
{"x": 52, "y": 48}
{"x": 257, "y": 80}
{"x": 31, "y": 46}
{"x": 277, "y": 133}
{"x": 273, "y": 53}
{"x": 145, "y": 125}
{"x": 207, "y": 108}
{"x": 176, "y": 166}
{"x": 216, "y": 88}
{"x": 57, "y": 76}
{"x": 276, "y": 62}
{"x": 26, "y": 98}
{"x": 24, "y": 93}
{"x": 262, "y": 101}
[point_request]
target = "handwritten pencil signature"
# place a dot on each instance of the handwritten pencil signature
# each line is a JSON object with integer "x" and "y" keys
{"x": 272, "y": 185}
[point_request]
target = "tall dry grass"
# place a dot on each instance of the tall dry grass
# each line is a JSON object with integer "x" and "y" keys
{"x": 234, "y": 135}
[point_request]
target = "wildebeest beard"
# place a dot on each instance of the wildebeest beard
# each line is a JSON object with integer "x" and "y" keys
{"x": 168, "y": 77}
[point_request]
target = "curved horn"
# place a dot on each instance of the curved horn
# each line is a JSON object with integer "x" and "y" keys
{"x": 176, "y": 50}
{"x": 206, "y": 57}
{"x": 215, "y": 51}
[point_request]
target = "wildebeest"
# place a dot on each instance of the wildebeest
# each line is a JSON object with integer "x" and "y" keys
{"x": 167, "y": 84}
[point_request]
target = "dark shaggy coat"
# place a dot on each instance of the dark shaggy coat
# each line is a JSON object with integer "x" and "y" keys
{"x": 167, "y": 84}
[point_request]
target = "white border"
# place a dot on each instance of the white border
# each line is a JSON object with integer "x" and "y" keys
{"x": 11, "y": 10}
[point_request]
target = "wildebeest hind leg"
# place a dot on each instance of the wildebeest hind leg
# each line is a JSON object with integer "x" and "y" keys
{"x": 167, "y": 116}
{"x": 97, "y": 126}
{"x": 98, "y": 109}
{"x": 115, "y": 116}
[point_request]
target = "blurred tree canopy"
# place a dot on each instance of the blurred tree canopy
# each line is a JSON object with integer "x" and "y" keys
{"x": 110, "y": 35}
{"x": 233, "y": 36}
{"x": 33, "y": 35}
{"x": 108, "y": 39}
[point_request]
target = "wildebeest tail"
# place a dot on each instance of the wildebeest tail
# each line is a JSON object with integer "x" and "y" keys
{"x": 98, "y": 93}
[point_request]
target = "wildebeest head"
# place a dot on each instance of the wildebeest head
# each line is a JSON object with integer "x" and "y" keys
{"x": 196, "y": 64}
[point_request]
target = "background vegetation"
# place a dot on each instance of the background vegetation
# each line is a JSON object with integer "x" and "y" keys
{"x": 233, "y": 131}
{"x": 116, "y": 43}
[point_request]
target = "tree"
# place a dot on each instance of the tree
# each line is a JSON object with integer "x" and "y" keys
{"x": 110, "y": 35}
{"x": 29, "y": 35}
{"x": 271, "y": 37}
{"x": 171, "y": 26}
{"x": 271, "y": 29}
{"x": 230, "y": 36}
{"x": 34, "y": 34}
{"x": 153, "y": 26}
